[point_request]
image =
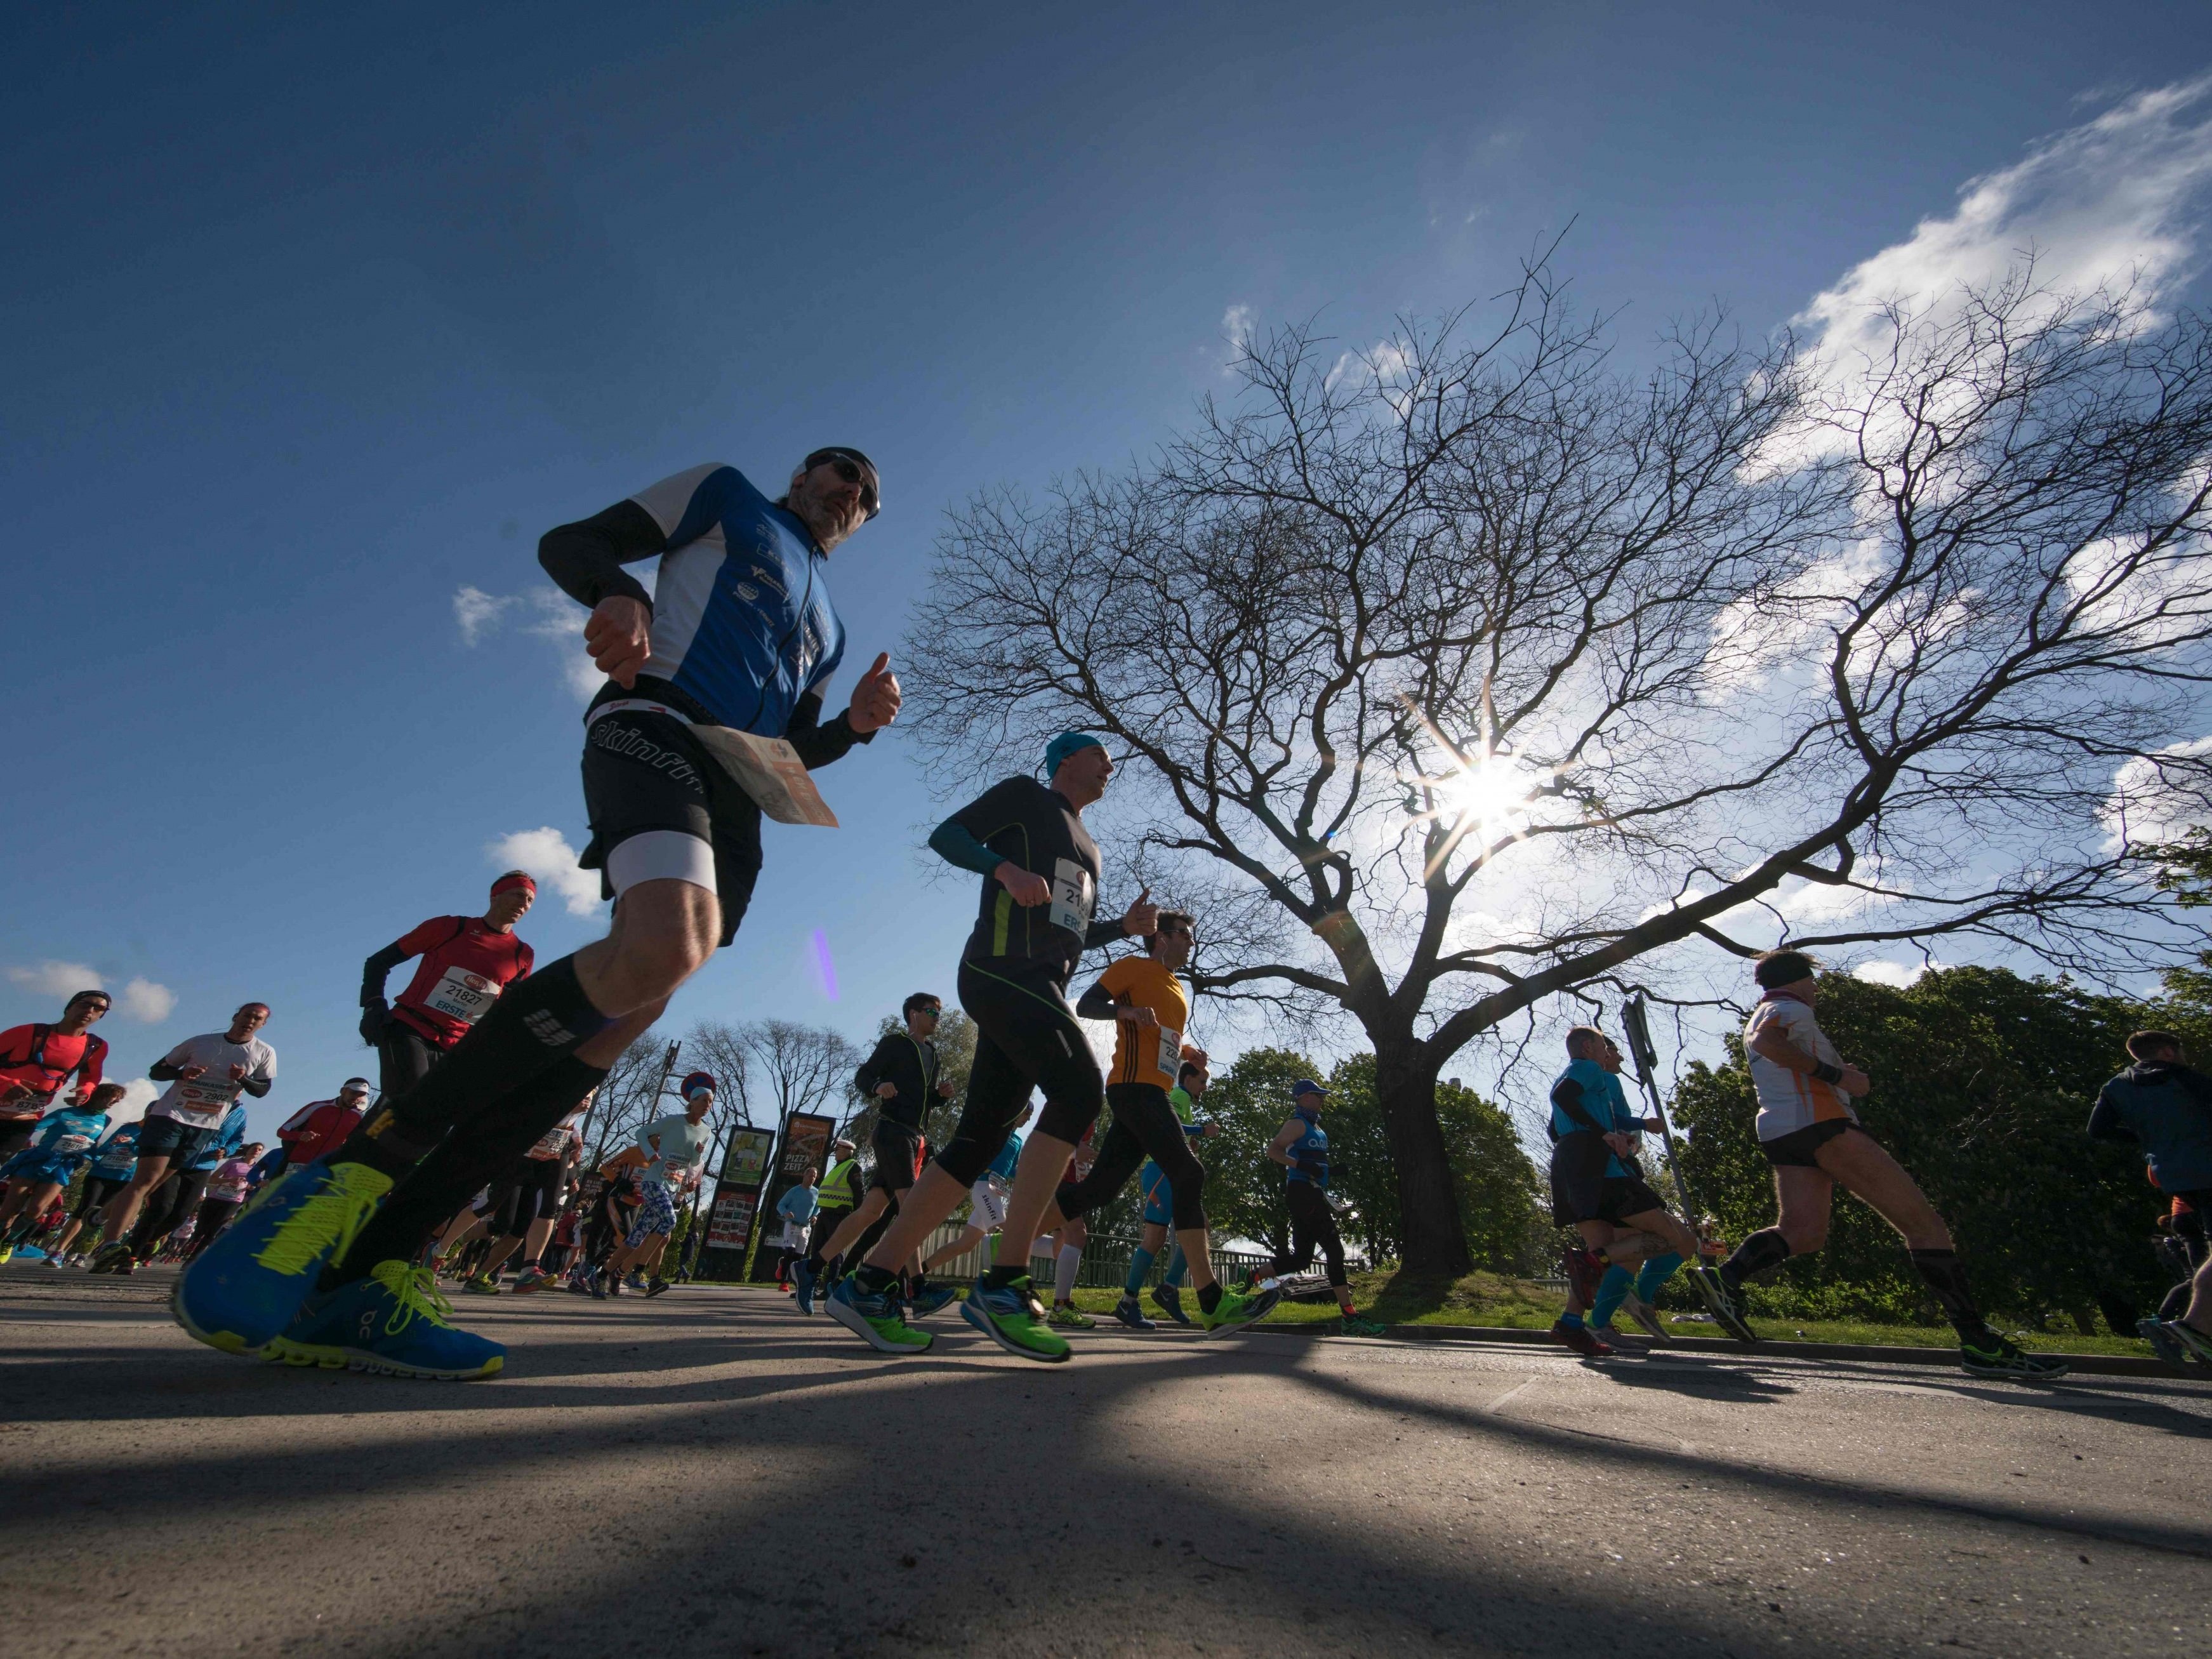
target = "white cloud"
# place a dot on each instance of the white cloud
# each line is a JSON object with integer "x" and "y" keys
{"x": 147, "y": 1003}
{"x": 548, "y": 614}
{"x": 2159, "y": 797}
{"x": 2105, "y": 201}
{"x": 546, "y": 854}
{"x": 1897, "y": 974}
{"x": 138, "y": 1094}
{"x": 478, "y": 612}
{"x": 57, "y": 979}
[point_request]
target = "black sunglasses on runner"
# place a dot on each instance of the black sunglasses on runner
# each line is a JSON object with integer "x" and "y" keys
{"x": 853, "y": 469}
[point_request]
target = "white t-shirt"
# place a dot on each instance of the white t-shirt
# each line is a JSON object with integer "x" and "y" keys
{"x": 1789, "y": 1101}
{"x": 683, "y": 1144}
{"x": 201, "y": 1101}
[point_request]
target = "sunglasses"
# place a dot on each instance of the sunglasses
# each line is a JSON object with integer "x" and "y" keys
{"x": 852, "y": 472}
{"x": 934, "y": 1013}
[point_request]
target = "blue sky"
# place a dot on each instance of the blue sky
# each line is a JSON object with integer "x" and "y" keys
{"x": 320, "y": 321}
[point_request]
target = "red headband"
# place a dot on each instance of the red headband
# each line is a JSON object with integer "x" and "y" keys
{"x": 513, "y": 880}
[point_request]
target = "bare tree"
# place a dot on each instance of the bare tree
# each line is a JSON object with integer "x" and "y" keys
{"x": 799, "y": 1069}
{"x": 634, "y": 1094}
{"x": 1463, "y": 676}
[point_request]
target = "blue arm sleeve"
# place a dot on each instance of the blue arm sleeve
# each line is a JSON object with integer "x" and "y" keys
{"x": 951, "y": 842}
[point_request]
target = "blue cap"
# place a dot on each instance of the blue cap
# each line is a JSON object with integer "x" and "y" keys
{"x": 697, "y": 1081}
{"x": 1306, "y": 1085}
{"x": 1065, "y": 744}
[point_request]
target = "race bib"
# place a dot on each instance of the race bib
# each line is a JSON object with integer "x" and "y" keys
{"x": 462, "y": 995}
{"x": 1170, "y": 1052}
{"x": 199, "y": 1095}
{"x": 67, "y": 1143}
{"x": 1073, "y": 895}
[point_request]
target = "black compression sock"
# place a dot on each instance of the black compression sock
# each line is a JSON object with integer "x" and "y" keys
{"x": 1209, "y": 1297}
{"x": 872, "y": 1281}
{"x": 536, "y": 1023}
{"x": 1946, "y": 1277}
{"x": 997, "y": 1279}
{"x": 498, "y": 1132}
{"x": 1762, "y": 1253}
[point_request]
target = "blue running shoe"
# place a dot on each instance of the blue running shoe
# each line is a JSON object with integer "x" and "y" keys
{"x": 930, "y": 1299}
{"x": 803, "y": 1276}
{"x": 394, "y": 1323}
{"x": 1168, "y": 1298}
{"x": 248, "y": 1286}
{"x": 876, "y": 1317}
{"x": 1131, "y": 1313}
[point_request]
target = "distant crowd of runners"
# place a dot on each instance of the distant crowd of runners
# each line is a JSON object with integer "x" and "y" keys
{"x": 327, "y": 1252}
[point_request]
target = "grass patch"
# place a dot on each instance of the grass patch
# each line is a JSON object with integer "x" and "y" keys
{"x": 1499, "y": 1300}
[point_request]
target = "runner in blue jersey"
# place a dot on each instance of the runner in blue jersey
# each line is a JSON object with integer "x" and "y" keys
{"x": 1598, "y": 1188}
{"x": 717, "y": 686}
{"x": 111, "y": 1163}
{"x": 1301, "y": 1146}
{"x": 64, "y": 1143}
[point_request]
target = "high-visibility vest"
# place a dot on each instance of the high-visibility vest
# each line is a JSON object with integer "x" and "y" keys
{"x": 836, "y": 1192}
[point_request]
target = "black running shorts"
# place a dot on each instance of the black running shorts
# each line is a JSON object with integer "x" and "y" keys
{"x": 898, "y": 1158}
{"x": 644, "y": 774}
{"x": 16, "y": 1133}
{"x": 180, "y": 1142}
{"x": 1800, "y": 1148}
{"x": 1582, "y": 1191}
{"x": 404, "y": 1057}
{"x": 532, "y": 1192}
{"x": 1026, "y": 1037}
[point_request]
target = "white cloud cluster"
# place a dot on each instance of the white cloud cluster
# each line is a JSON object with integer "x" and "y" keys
{"x": 2159, "y": 797}
{"x": 140, "y": 999}
{"x": 2107, "y": 201}
{"x": 1897, "y": 975}
{"x": 138, "y": 1094}
{"x": 546, "y": 854}
{"x": 547, "y": 613}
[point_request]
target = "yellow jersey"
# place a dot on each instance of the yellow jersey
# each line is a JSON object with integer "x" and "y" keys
{"x": 1141, "y": 1055}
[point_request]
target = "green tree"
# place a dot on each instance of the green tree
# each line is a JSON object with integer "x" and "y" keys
{"x": 1247, "y": 1103}
{"x": 1982, "y": 1083}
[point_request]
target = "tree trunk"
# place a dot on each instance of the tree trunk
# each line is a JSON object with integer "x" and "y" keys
{"x": 1405, "y": 1088}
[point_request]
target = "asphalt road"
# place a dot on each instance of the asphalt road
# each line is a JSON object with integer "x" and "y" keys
{"x": 710, "y": 1473}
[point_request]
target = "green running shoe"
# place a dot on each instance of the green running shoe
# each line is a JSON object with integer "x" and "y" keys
{"x": 482, "y": 1285}
{"x": 1236, "y": 1310}
{"x": 877, "y": 1317}
{"x": 246, "y": 1288}
{"x": 1354, "y": 1325}
{"x": 393, "y": 1323}
{"x": 1006, "y": 1313}
{"x": 1994, "y": 1356}
{"x": 1069, "y": 1318}
{"x": 2188, "y": 1339}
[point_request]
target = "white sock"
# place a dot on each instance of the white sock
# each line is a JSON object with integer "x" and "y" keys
{"x": 1063, "y": 1279}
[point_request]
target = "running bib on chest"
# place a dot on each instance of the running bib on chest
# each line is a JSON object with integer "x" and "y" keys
{"x": 462, "y": 995}
{"x": 69, "y": 1144}
{"x": 1073, "y": 895}
{"x": 198, "y": 1095}
{"x": 1169, "y": 1058}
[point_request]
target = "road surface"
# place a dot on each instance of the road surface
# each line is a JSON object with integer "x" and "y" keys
{"x": 710, "y": 1473}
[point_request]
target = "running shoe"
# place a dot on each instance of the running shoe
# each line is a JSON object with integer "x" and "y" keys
{"x": 1354, "y": 1325}
{"x": 105, "y": 1256}
{"x": 1069, "y": 1318}
{"x": 2191, "y": 1341}
{"x": 1646, "y": 1315}
{"x": 654, "y": 1287}
{"x": 878, "y": 1317}
{"x": 7, "y": 1254}
{"x": 248, "y": 1286}
{"x": 394, "y": 1323}
{"x": 616, "y": 1285}
{"x": 1168, "y": 1298}
{"x": 636, "y": 1280}
{"x": 803, "y": 1276}
{"x": 1724, "y": 1302}
{"x": 598, "y": 1285}
{"x": 1582, "y": 1340}
{"x": 1007, "y": 1315}
{"x": 533, "y": 1278}
{"x": 1584, "y": 1270}
{"x": 1236, "y": 1310}
{"x": 482, "y": 1285}
{"x": 930, "y": 1298}
{"x": 1131, "y": 1312}
{"x": 1994, "y": 1356}
{"x": 1635, "y": 1341}
{"x": 2163, "y": 1342}
{"x": 53, "y": 1261}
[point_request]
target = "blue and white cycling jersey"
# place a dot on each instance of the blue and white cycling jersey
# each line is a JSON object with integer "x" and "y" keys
{"x": 742, "y": 621}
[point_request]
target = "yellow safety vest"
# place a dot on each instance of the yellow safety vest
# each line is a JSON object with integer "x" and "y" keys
{"x": 835, "y": 1182}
